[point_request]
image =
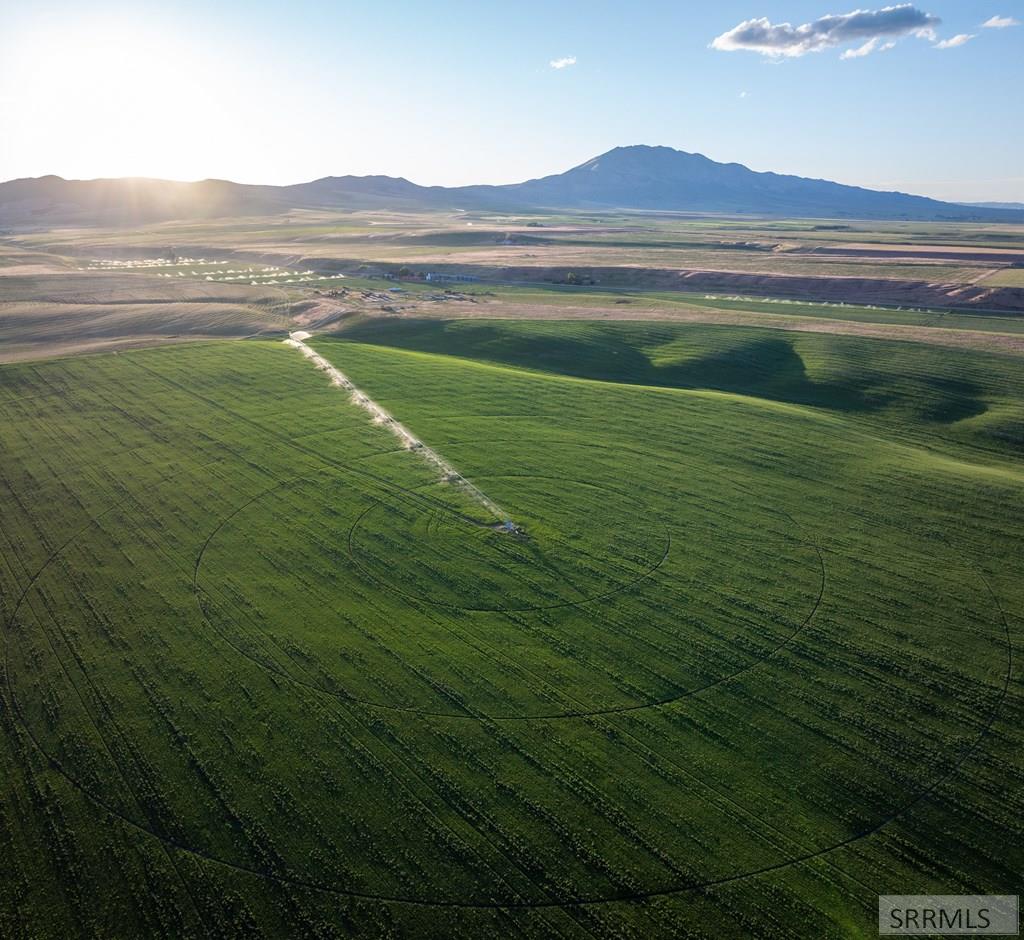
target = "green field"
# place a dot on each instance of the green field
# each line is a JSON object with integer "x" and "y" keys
{"x": 755, "y": 662}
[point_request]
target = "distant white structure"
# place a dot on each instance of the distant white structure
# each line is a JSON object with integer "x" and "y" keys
{"x": 441, "y": 278}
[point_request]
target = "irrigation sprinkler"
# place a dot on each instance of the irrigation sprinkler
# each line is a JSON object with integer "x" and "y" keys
{"x": 448, "y": 473}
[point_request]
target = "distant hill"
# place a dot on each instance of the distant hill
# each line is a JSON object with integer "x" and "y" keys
{"x": 638, "y": 177}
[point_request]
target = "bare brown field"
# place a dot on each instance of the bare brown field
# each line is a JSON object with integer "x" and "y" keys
{"x": 47, "y": 329}
{"x": 52, "y": 311}
{"x": 806, "y": 248}
{"x": 794, "y": 263}
{"x": 78, "y": 287}
{"x": 1008, "y": 277}
{"x": 921, "y": 252}
{"x": 22, "y": 262}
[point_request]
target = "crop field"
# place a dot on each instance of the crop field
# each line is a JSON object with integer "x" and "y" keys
{"x": 753, "y": 659}
{"x": 60, "y": 311}
{"x": 615, "y": 265}
{"x": 1008, "y": 277}
{"x": 54, "y": 304}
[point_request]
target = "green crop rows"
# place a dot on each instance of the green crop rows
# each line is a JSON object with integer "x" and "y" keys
{"x": 753, "y": 664}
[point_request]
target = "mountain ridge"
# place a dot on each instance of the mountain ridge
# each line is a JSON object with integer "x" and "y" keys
{"x": 639, "y": 177}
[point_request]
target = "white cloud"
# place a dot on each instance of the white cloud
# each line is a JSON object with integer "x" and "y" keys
{"x": 870, "y": 46}
{"x": 954, "y": 41}
{"x": 999, "y": 22}
{"x": 744, "y": 94}
{"x": 861, "y": 51}
{"x": 563, "y": 63}
{"x": 785, "y": 40}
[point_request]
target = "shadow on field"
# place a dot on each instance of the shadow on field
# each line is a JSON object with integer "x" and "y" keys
{"x": 964, "y": 396}
{"x": 729, "y": 360}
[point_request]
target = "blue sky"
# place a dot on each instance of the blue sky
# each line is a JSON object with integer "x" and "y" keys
{"x": 462, "y": 92}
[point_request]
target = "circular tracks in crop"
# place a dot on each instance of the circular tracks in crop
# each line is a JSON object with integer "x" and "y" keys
{"x": 648, "y": 545}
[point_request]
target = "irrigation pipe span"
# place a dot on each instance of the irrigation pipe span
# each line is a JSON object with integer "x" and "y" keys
{"x": 409, "y": 440}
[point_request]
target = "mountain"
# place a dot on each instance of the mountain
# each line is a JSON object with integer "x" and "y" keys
{"x": 51, "y": 200}
{"x": 642, "y": 177}
{"x": 367, "y": 192}
{"x": 637, "y": 177}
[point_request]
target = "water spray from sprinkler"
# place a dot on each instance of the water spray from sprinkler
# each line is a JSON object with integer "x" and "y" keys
{"x": 381, "y": 417}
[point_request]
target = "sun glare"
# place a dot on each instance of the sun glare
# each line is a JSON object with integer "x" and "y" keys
{"x": 127, "y": 98}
